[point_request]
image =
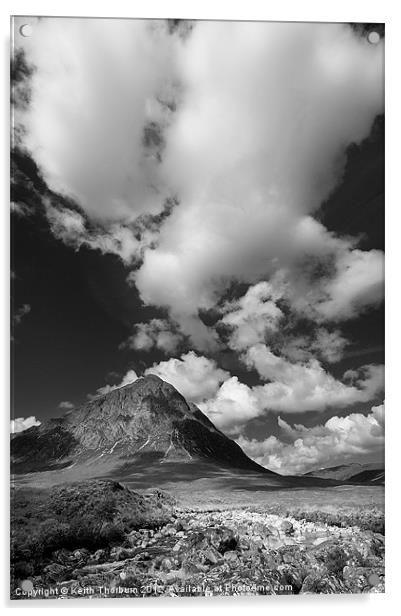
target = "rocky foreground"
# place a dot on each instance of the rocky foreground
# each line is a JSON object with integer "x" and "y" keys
{"x": 238, "y": 552}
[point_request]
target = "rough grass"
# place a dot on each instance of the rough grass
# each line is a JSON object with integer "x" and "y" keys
{"x": 89, "y": 515}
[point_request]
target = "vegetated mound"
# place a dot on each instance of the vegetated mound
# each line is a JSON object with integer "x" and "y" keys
{"x": 91, "y": 514}
{"x": 148, "y": 417}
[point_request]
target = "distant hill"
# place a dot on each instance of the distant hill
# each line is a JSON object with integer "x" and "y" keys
{"x": 353, "y": 473}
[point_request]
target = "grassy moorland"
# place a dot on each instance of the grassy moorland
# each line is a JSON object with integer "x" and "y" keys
{"x": 197, "y": 537}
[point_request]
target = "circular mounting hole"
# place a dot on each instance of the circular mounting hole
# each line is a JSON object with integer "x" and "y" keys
{"x": 373, "y": 37}
{"x": 26, "y": 30}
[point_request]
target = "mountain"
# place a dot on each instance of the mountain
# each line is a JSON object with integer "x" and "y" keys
{"x": 134, "y": 427}
{"x": 352, "y": 473}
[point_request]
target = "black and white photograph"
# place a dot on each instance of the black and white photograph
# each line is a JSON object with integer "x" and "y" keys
{"x": 197, "y": 308}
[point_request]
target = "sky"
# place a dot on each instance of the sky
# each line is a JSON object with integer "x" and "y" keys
{"x": 203, "y": 201}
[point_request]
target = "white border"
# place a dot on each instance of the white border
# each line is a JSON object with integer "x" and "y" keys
{"x": 295, "y": 10}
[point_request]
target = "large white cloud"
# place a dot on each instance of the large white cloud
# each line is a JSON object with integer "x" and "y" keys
{"x": 95, "y": 88}
{"x": 340, "y": 438}
{"x": 257, "y": 144}
{"x": 247, "y": 124}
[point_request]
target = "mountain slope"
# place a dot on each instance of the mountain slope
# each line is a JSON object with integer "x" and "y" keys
{"x": 146, "y": 421}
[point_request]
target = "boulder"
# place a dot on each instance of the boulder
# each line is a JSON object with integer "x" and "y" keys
{"x": 319, "y": 582}
{"x": 231, "y": 557}
{"x": 56, "y": 572}
{"x": 243, "y": 544}
{"x": 134, "y": 538}
{"x": 177, "y": 547}
{"x": 120, "y": 553}
{"x": 257, "y": 544}
{"x": 222, "y": 538}
{"x": 63, "y": 556}
{"x": 287, "y": 527}
{"x": 100, "y": 556}
{"x": 189, "y": 568}
{"x": 166, "y": 564}
{"x": 169, "y": 530}
{"x": 181, "y": 524}
{"x": 210, "y": 556}
{"x": 290, "y": 575}
{"x": 358, "y": 579}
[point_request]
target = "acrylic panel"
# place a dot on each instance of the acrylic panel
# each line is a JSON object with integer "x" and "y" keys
{"x": 197, "y": 216}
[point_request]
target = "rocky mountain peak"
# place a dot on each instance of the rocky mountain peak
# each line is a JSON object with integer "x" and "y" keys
{"x": 148, "y": 417}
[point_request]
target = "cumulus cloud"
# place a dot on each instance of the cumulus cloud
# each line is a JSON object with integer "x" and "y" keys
{"x": 256, "y": 317}
{"x": 23, "y": 423}
{"x": 233, "y": 406}
{"x": 340, "y": 438}
{"x": 298, "y": 387}
{"x": 197, "y": 378}
{"x": 293, "y": 388}
{"x": 157, "y": 333}
{"x": 252, "y": 316}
